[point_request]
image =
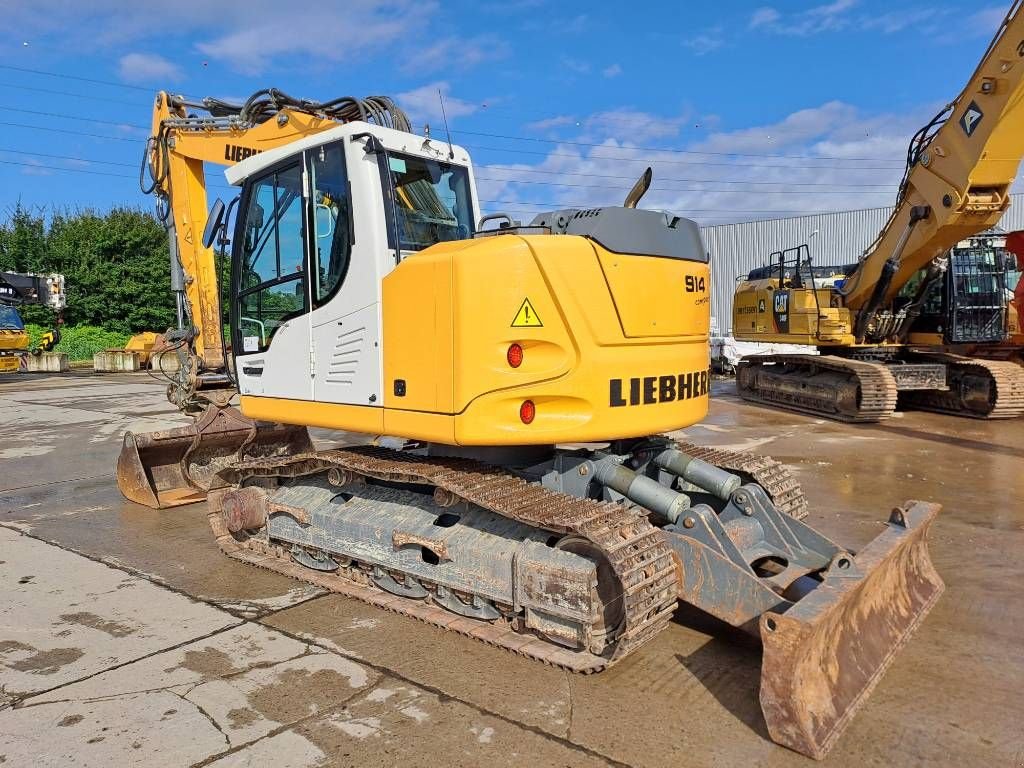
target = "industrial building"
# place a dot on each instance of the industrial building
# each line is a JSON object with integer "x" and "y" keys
{"x": 834, "y": 238}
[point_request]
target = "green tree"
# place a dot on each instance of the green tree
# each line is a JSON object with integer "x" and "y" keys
{"x": 116, "y": 269}
{"x": 23, "y": 241}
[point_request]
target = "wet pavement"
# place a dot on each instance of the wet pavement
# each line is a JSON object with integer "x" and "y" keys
{"x": 126, "y": 638}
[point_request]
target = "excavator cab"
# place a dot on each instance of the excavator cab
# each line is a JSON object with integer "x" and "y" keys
{"x": 967, "y": 304}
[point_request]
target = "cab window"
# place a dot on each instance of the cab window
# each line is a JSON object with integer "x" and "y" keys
{"x": 332, "y": 221}
{"x": 271, "y": 274}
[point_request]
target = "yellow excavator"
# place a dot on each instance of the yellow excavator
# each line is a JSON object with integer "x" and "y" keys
{"x": 525, "y": 376}
{"x": 18, "y": 289}
{"x": 960, "y": 168}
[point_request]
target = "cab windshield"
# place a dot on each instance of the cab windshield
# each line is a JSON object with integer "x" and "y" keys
{"x": 10, "y": 320}
{"x": 431, "y": 202}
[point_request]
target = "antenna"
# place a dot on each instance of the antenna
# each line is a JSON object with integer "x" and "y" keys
{"x": 451, "y": 149}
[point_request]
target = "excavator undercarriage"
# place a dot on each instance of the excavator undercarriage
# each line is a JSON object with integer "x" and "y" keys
{"x": 580, "y": 559}
{"x": 841, "y": 387}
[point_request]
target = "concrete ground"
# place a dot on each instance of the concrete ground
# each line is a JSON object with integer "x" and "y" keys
{"x": 127, "y": 639}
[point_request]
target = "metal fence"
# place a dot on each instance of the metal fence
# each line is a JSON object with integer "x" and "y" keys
{"x": 834, "y": 238}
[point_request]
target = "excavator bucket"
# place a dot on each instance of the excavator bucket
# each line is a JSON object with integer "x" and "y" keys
{"x": 172, "y": 467}
{"x": 823, "y": 656}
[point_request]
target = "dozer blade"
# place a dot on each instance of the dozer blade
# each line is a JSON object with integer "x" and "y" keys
{"x": 172, "y": 467}
{"x": 823, "y": 656}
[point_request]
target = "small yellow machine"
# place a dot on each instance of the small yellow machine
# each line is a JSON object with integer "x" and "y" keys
{"x": 960, "y": 168}
{"x": 16, "y": 289}
{"x": 526, "y": 375}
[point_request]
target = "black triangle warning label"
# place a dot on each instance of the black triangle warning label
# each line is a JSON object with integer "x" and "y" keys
{"x": 527, "y": 317}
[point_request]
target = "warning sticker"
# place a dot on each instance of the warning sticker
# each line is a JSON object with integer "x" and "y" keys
{"x": 527, "y": 317}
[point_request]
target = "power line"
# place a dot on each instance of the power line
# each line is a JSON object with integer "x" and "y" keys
{"x": 60, "y": 169}
{"x": 512, "y": 168}
{"x": 69, "y": 170}
{"x": 690, "y": 189}
{"x": 556, "y": 206}
{"x": 68, "y": 132}
{"x": 666, "y": 149}
{"x": 70, "y": 93}
{"x": 545, "y": 206}
{"x": 67, "y": 157}
{"x": 119, "y": 123}
{"x": 503, "y": 136}
{"x": 80, "y": 79}
{"x": 659, "y": 161}
{"x": 486, "y": 148}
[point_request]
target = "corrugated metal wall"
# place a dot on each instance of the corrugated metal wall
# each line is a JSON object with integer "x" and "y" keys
{"x": 737, "y": 248}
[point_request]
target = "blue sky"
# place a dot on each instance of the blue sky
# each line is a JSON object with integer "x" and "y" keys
{"x": 745, "y": 109}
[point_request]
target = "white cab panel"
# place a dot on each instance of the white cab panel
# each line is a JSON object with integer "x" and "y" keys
{"x": 284, "y": 369}
{"x": 348, "y": 361}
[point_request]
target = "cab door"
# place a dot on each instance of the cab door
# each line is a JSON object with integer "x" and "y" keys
{"x": 270, "y": 285}
{"x": 344, "y": 287}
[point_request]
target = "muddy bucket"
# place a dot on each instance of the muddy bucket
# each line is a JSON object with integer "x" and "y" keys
{"x": 179, "y": 466}
{"x": 823, "y": 656}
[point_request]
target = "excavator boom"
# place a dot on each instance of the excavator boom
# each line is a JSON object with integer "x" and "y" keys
{"x": 960, "y": 168}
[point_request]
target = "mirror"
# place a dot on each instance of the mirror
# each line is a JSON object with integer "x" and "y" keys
{"x": 213, "y": 223}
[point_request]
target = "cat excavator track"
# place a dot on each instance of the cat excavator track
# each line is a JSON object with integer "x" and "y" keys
{"x": 980, "y": 389}
{"x": 636, "y": 606}
{"x": 821, "y": 385}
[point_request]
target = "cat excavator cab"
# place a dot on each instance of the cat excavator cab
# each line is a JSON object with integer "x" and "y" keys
{"x": 525, "y": 377}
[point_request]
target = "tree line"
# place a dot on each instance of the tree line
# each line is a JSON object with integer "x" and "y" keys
{"x": 115, "y": 265}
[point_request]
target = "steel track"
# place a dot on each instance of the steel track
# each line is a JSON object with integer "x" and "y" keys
{"x": 876, "y": 387}
{"x": 1007, "y": 380}
{"x": 776, "y": 478}
{"x": 640, "y": 560}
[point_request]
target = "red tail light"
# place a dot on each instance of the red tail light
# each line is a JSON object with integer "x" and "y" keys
{"x": 515, "y": 355}
{"x": 527, "y": 412}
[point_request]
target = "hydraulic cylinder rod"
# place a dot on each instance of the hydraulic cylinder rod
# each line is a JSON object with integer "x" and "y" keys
{"x": 642, "y": 490}
{"x": 707, "y": 476}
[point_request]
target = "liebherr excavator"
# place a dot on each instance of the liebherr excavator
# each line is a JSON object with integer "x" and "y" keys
{"x": 525, "y": 376}
{"x": 960, "y": 168}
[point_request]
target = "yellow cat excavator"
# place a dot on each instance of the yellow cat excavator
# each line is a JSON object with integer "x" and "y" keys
{"x": 960, "y": 168}
{"x": 525, "y": 376}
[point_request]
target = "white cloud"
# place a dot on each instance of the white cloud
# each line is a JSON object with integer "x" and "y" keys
{"x": 576, "y": 65}
{"x": 452, "y": 53}
{"x": 254, "y": 39}
{"x": 987, "y": 20}
{"x": 705, "y": 42}
{"x": 249, "y": 36}
{"x": 148, "y": 68}
{"x": 424, "y": 105}
{"x": 763, "y": 17}
{"x": 828, "y": 157}
{"x": 612, "y": 71}
{"x": 845, "y": 15}
{"x": 559, "y": 121}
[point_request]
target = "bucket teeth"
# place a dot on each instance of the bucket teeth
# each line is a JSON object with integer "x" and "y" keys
{"x": 823, "y": 657}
